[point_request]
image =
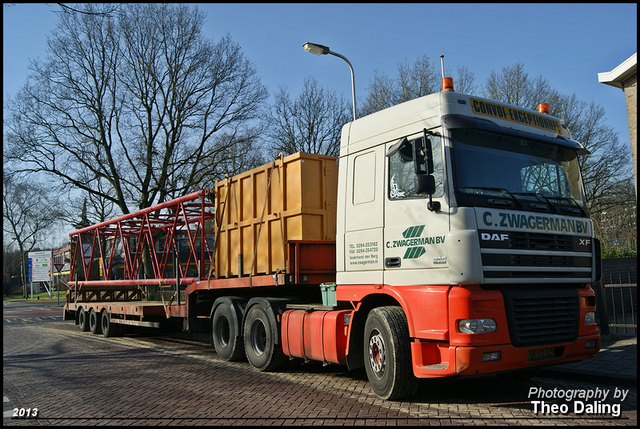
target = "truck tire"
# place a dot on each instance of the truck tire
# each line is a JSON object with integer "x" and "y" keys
{"x": 94, "y": 322}
{"x": 225, "y": 336}
{"x": 387, "y": 357}
{"x": 108, "y": 329}
{"x": 259, "y": 341}
{"x": 83, "y": 320}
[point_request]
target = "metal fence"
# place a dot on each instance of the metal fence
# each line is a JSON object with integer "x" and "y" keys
{"x": 620, "y": 313}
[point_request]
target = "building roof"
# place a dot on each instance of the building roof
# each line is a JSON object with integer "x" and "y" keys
{"x": 621, "y": 73}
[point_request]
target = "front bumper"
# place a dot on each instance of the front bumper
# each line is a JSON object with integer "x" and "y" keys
{"x": 432, "y": 359}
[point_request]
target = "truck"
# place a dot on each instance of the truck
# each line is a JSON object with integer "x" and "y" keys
{"x": 450, "y": 238}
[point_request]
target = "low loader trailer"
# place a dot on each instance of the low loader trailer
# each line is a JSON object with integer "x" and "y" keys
{"x": 451, "y": 237}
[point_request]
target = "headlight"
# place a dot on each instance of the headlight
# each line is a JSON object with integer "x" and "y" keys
{"x": 590, "y": 318}
{"x": 477, "y": 326}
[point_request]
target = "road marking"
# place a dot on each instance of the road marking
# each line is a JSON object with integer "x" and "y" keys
{"x": 32, "y": 319}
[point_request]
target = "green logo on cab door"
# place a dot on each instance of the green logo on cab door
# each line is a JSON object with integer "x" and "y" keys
{"x": 413, "y": 242}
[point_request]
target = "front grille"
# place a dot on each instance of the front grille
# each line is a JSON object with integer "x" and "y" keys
{"x": 542, "y": 317}
{"x": 550, "y": 242}
{"x": 526, "y": 260}
{"x": 525, "y": 256}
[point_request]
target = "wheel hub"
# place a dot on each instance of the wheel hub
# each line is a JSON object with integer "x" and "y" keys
{"x": 258, "y": 337}
{"x": 223, "y": 332}
{"x": 377, "y": 356}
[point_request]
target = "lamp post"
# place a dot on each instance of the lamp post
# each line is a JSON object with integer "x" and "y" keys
{"x": 314, "y": 48}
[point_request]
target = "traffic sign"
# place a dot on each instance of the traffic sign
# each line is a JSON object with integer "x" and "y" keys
{"x": 40, "y": 266}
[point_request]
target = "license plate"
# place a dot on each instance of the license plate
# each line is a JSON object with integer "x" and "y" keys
{"x": 540, "y": 354}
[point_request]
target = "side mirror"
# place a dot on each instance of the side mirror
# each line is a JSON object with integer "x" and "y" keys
{"x": 425, "y": 184}
{"x": 419, "y": 158}
{"x": 423, "y": 158}
{"x": 424, "y": 181}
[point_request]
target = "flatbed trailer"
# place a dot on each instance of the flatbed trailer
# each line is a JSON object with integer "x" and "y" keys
{"x": 132, "y": 313}
{"x": 97, "y": 306}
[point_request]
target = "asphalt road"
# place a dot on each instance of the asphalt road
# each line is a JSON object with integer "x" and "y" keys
{"x": 68, "y": 377}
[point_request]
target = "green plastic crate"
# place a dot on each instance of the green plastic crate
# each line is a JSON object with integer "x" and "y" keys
{"x": 328, "y": 294}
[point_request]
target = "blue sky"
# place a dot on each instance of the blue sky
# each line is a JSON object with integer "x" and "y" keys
{"x": 568, "y": 44}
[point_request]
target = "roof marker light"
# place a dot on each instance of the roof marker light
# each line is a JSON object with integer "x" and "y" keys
{"x": 447, "y": 84}
{"x": 543, "y": 108}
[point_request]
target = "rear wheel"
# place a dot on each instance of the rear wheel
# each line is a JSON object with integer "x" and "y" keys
{"x": 226, "y": 339}
{"x": 259, "y": 341}
{"x": 94, "y": 323}
{"x": 387, "y": 356}
{"x": 83, "y": 320}
{"x": 108, "y": 329}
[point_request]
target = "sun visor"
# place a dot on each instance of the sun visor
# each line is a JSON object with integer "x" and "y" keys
{"x": 458, "y": 121}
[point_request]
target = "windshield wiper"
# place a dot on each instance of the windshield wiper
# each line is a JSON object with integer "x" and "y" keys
{"x": 578, "y": 210}
{"x": 504, "y": 203}
{"x": 538, "y": 206}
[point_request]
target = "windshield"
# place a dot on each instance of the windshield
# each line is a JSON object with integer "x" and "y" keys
{"x": 516, "y": 172}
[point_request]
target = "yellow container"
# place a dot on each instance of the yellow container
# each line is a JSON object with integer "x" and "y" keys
{"x": 258, "y": 211}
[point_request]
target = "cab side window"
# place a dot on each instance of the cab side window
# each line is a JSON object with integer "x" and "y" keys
{"x": 402, "y": 171}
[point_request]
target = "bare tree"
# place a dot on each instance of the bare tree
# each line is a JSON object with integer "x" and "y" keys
{"x": 11, "y": 267}
{"x": 616, "y": 225}
{"x": 64, "y": 7}
{"x": 128, "y": 108}
{"x": 311, "y": 123}
{"x": 514, "y": 86}
{"x": 412, "y": 81}
{"x": 464, "y": 80}
{"x": 417, "y": 79}
{"x": 28, "y": 213}
{"x": 242, "y": 154}
{"x": 381, "y": 94}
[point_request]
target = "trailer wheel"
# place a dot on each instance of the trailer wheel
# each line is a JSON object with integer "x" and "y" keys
{"x": 83, "y": 320}
{"x": 108, "y": 329}
{"x": 388, "y": 353}
{"x": 94, "y": 322}
{"x": 227, "y": 341}
{"x": 259, "y": 342}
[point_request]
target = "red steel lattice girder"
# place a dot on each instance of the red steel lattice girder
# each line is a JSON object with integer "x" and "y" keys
{"x": 179, "y": 219}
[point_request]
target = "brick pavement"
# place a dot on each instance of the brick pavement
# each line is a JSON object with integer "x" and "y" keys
{"x": 616, "y": 362}
{"x": 76, "y": 378}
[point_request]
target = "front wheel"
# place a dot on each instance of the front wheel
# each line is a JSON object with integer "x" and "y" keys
{"x": 387, "y": 357}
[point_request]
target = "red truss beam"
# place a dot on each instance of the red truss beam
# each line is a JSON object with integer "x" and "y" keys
{"x": 118, "y": 245}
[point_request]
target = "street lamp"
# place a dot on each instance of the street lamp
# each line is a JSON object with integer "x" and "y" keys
{"x": 314, "y": 48}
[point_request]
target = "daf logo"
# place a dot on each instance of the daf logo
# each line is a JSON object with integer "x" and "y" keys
{"x": 494, "y": 237}
{"x": 585, "y": 241}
